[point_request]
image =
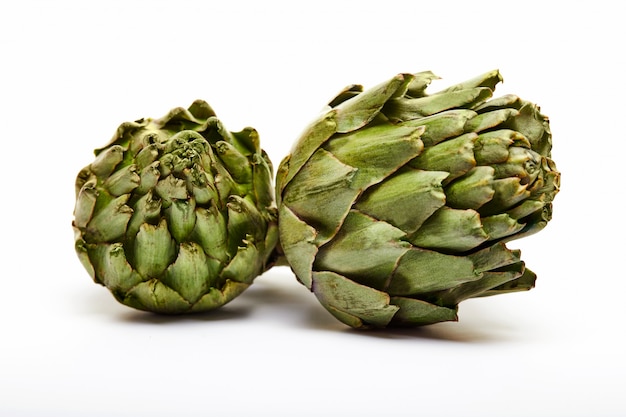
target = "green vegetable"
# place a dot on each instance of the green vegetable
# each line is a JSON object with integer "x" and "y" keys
{"x": 177, "y": 214}
{"x": 395, "y": 205}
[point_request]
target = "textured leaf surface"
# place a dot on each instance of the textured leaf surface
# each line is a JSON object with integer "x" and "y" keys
{"x": 367, "y": 304}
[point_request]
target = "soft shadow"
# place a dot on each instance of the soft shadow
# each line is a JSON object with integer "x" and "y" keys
{"x": 440, "y": 332}
{"x": 477, "y": 324}
{"x": 278, "y": 298}
{"x": 146, "y": 317}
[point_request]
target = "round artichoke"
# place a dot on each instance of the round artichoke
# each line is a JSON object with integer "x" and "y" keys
{"x": 176, "y": 214}
{"x": 395, "y": 205}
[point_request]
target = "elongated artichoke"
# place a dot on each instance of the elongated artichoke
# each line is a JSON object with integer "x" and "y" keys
{"x": 395, "y": 205}
{"x": 177, "y": 214}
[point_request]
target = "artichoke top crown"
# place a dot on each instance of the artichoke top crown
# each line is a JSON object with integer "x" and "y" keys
{"x": 176, "y": 214}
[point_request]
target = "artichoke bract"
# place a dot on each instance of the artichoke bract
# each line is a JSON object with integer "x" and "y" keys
{"x": 395, "y": 204}
{"x": 176, "y": 214}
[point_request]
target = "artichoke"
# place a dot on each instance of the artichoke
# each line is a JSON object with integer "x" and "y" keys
{"x": 395, "y": 205}
{"x": 176, "y": 214}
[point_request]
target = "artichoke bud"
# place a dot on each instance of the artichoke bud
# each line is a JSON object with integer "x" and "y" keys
{"x": 388, "y": 233}
{"x": 169, "y": 216}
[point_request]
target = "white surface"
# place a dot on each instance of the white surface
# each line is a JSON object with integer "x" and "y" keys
{"x": 70, "y": 72}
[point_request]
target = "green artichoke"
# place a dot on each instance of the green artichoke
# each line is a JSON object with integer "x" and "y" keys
{"x": 176, "y": 214}
{"x": 395, "y": 205}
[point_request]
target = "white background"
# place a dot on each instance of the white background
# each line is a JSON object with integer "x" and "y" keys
{"x": 70, "y": 72}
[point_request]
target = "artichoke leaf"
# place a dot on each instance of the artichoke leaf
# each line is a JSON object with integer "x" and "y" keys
{"x": 236, "y": 163}
{"x": 414, "y": 312}
{"x": 441, "y": 126}
{"x": 361, "y": 109}
{"x": 455, "y": 156}
{"x": 107, "y": 160}
{"x": 123, "y": 181}
{"x": 508, "y": 193}
{"x": 85, "y": 204}
{"x": 322, "y": 193}
{"x": 376, "y": 151}
{"x": 406, "y": 200}
{"x": 489, "y": 120}
{"x": 262, "y": 181}
{"x": 488, "y": 80}
{"x": 450, "y": 230}
{"x": 109, "y": 223}
{"x": 83, "y": 255}
{"x": 248, "y": 141}
{"x": 111, "y": 267}
{"x": 155, "y": 296}
{"x": 245, "y": 265}
{"x": 311, "y": 139}
{"x": 524, "y": 283}
{"x": 482, "y": 286}
{"x": 534, "y": 126}
{"x": 171, "y": 188}
{"x": 402, "y": 109}
{"x": 472, "y": 190}
{"x": 501, "y": 225}
{"x": 244, "y": 222}
{"x": 493, "y": 257}
{"x": 336, "y": 292}
{"x": 210, "y": 231}
{"x": 147, "y": 156}
{"x": 298, "y": 238}
{"x": 421, "y": 271}
{"x": 154, "y": 249}
{"x": 146, "y": 209}
{"x": 217, "y": 297}
{"x": 181, "y": 218}
{"x": 365, "y": 249}
{"x": 190, "y": 275}
{"x": 148, "y": 178}
{"x": 418, "y": 84}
